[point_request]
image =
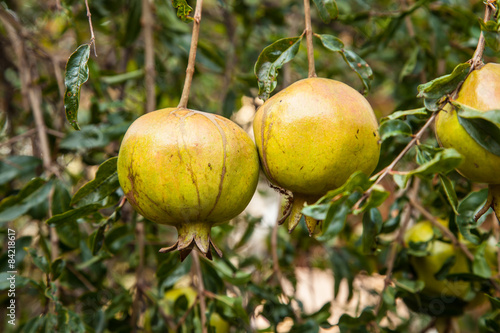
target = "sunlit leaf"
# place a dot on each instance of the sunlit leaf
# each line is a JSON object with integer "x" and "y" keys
{"x": 433, "y": 91}
{"x": 183, "y": 9}
{"x": 401, "y": 114}
{"x": 77, "y": 73}
{"x": 272, "y": 58}
{"x": 491, "y": 31}
{"x": 442, "y": 162}
{"x": 104, "y": 183}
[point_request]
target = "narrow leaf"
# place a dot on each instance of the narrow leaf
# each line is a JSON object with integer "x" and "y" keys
{"x": 445, "y": 268}
{"x": 401, "y": 114}
{"x": 372, "y": 225}
{"x": 77, "y": 73}
{"x": 31, "y": 195}
{"x": 97, "y": 239}
{"x": 467, "y": 208}
{"x": 73, "y": 215}
{"x": 410, "y": 64}
{"x": 183, "y": 9}
{"x": 433, "y": 91}
{"x": 480, "y": 265}
{"x": 449, "y": 190}
{"x": 272, "y": 58}
{"x": 357, "y": 64}
{"x": 104, "y": 184}
{"x": 327, "y": 9}
{"x": 56, "y": 268}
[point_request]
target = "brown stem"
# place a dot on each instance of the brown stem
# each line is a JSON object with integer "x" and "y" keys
{"x": 192, "y": 56}
{"x": 82, "y": 278}
{"x": 309, "y": 38}
{"x": 476, "y": 60}
{"x": 92, "y": 36}
{"x": 391, "y": 166}
{"x": 139, "y": 274}
{"x": 201, "y": 290}
{"x": 149, "y": 55}
{"x": 18, "y": 137}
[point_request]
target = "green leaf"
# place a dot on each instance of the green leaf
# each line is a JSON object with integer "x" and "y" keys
{"x": 60, "y": 199}
{"x": 401, "y": 114}
{"x": 412, "y": 286}
{"x": 104, "y": 184}
{"x": 39, "y": 261}
{"x": 77, "y": 73}
{"x": 449, "y": 190}
{"x": 183, "y": 9}
{"x": 372, "y": 225}
{"x": 12, "y": 167}
{"x": 73, "y": 214}
{"x": 97, "y": 239}
{"x": 395, "y": 127}
{"x": 327, "y": 9}
{"x": 479, "y": 264}
{"x": 467, "y": 209}
{"x": 435, "y": 90}
{"x": 483, "y": 127}
{"x": 442, "y": 162}
{"x": 335, "y": 219}
{"x": 491, "y": 32}
{"x": 56, "y": 268}
{"x": 357, "y": 64}
{"x": 31, "y": 195}
{"x": 69, "y": 233}
{"x": 410, "y": 64}
{"x": 272, "y": 58}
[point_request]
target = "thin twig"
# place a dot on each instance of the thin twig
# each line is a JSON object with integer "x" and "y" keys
{"x": 166, "y": 318}
{"x": 139, "y": 274}
{"x": 92, "y": 36}
{"x": 82, "y": 278}
{"x": 149, "y": 55}
{"x": 201, "y": 291}
{"x": 18, "y": 137}
{"x": 192, "y": 56}
{"x": 274, "y": 253}
{"x": 476, "y": 60}
{"x": 309, "y": 38}
{"x": 391, "y": 166}
{"x": 185, "y": 315}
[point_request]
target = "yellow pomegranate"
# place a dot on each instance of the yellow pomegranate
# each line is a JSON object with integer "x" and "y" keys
{"x": 481, "y": 91}
{"x": 188, "y": 169}
{"x": 312, "y": 136}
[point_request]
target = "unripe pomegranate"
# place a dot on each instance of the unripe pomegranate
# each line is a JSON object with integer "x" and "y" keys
{"x": 481, "y": 91}
{"x": 312, "y": 136}
{"x": 188, "y": 169}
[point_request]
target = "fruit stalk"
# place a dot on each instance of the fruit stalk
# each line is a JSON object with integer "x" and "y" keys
{"x": 478, "y": 53}
{"x": 201, "y": 291}
{"x": 309, "y": 39}
{"x": 192, "y": 56}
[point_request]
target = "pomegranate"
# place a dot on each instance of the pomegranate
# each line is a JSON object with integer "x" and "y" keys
{"x": 312, "y": 136}
{"x": 481, "y": 91}
{"x": 188, "y": 169}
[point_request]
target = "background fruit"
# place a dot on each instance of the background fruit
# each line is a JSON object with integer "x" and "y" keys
{"x": 188, "y": 169}
{"x": 312, "y": 136}
{"x": 480, "y": 91}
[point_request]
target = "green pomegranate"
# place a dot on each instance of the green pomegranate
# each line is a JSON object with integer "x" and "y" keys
{"x": 312, "y": 136}
{"x": 481, "y": 91}
{"x": 188, "y": 169}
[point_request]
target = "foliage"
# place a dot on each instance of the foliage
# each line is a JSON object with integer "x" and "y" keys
{"x": 86, "y": 262}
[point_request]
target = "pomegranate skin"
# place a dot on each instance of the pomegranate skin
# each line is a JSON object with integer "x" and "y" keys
{"x": 312, "y": 136}
{"x": 188, "y": 169}
{"x": 481, "y": 91}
